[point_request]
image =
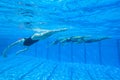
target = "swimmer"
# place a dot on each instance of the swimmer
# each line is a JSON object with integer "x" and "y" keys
{"x": 65, "y": 40}
{"x": 31, "y": 40}
{"x": 69, "y": 39}
{"x": 90, "y": 40}
{"x": 72, "y": 39}
{"x": 75, "y": 39}
{"x": 61, "y": 40}
{"x": 87, "y": 39}
{"x": 79, "y": 39}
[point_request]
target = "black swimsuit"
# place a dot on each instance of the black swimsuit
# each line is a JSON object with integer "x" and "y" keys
{"x": 29, "y": 41}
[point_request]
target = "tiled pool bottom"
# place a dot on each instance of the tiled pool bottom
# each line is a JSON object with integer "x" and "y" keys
{"x": 29, "y": 68}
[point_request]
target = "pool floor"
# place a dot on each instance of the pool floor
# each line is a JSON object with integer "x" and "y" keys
{"x": 31, "y": 68}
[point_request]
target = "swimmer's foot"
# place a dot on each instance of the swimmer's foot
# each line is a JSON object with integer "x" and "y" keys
{"x": 63, "y": 29}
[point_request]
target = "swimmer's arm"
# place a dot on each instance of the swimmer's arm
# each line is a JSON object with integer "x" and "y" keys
{"x": 23, "y": 50}
{"x": 15, "y": 43}
{"x": 9, "y": 46}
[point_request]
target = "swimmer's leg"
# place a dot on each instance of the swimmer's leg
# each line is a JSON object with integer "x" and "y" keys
{"x": 96, "y": 40}
{"x": 100, "y": 39}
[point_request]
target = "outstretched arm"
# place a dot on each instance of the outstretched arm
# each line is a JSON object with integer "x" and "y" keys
{"x": 9, "y": 46}
{"x": 46, "y": 34}
{"x": 23, "y": 50}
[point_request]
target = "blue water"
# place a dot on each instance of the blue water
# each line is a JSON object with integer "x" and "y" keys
{"x": 90, "y": 61}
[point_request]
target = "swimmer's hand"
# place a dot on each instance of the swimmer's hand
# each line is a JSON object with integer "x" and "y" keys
{"x": 64, "y": 29}
{"x": 60, "y": 30}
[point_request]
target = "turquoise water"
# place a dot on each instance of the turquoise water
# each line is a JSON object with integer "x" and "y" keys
{"x": 70, "y": 61}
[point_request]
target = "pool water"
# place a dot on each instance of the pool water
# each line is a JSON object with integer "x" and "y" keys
{"x": 94, "y": 19}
